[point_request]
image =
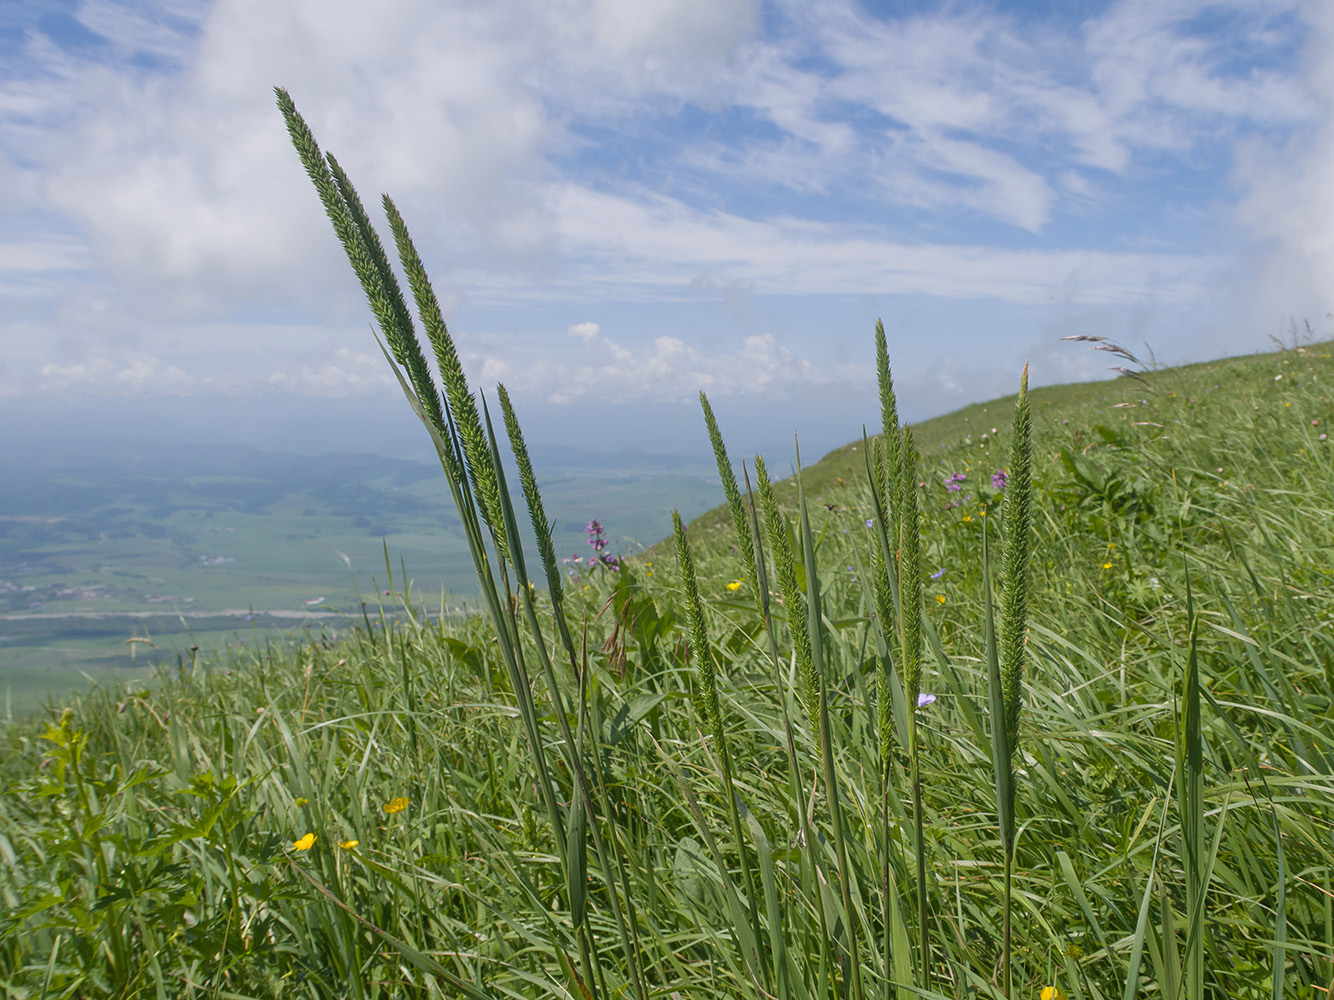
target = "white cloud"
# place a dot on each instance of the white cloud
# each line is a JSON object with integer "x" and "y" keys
{"x": 598, "y": 151}
{"x": 1138, "y": 80}
{"x": 347, "y": 373}
{"x": 669, "y": 369}
{"x": 584, "y": 331}
{"x": 661, "y": 247}
{"x": 1287, "y": 203}
{"x": 136, "y": 376}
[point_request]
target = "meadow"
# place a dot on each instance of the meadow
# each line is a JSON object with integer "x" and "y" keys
{"x": 1034, "y": 703}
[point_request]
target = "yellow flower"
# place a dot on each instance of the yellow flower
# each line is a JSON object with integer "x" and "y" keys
{"x": 966, "y": 517}
{"x": 301, "y": 802}
{"x": 396, "y": 805}
{"x": 1052, "y": 993}
{"x": 347, "y": 845}
{"x": 1106, "y": 565}
{"x": 304, "y": 844}
{"x": 735, "y": 584}
{"x": 940, "y": 598}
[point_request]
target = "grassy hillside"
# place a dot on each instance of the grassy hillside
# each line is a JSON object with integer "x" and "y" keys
{"x": 979, "y": 432}
{"x": 424, "y": 809}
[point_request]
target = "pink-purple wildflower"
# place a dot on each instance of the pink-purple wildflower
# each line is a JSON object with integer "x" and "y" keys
{"x": 954, "y": 484}
{"x": 598, "y": 539}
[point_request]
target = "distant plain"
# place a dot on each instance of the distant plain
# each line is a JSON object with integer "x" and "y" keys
{"x": 233, "y": 545}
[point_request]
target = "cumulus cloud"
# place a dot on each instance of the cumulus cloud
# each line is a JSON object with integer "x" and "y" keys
{"x": 339, "y": 373}
{"x": 129, "y": 377}
{"x": 668, "y": 369}
{"x": 346, "y": 373}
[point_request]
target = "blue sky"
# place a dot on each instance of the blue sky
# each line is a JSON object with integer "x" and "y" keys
{"x": 622, "y": 204}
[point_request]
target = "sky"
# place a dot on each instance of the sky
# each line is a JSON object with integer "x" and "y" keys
{"x": 622, "y": 204}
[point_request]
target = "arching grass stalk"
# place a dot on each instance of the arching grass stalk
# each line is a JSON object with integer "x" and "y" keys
{"x": 794, "y": 602}
{"x": 462, "y": 407}
{"x": 1190, "y": 802}
{"x": 455, "y": 429}
{"x": 1005, "y": 658}
{"x": 740, "y": 523}
{"x": 891, "y": 717}
{"x": 910, "y": 659}
{"x": 701, "y": 652}
{"x": 609, "y": 850}
{"x": 883, "y": 458}
{"x": 816, "y": 616}
{"x": 890, "y": 464}
{"x": 810, "y": 870}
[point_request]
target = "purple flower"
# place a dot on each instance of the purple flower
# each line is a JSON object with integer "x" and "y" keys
{"x": 597, "y": 538}
{"x": 954, "y": 483}
{"x": 999, "y": 480}
{"x": 870, "y": 523}
{"x": 924, "y": 699}
{"x": 938, "y": 573}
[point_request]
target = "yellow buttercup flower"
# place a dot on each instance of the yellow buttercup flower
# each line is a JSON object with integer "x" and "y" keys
{"x": 304, "y": 844}
{"x": 396, "y": 805}
{"x": 735, "y": 584}
{"x": 1052, "y": 993}
{"x": 1106, "y": 565}
{"x": 347, "y": 845}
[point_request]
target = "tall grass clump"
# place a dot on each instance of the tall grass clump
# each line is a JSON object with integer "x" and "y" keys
{"x": 846, "y": 737}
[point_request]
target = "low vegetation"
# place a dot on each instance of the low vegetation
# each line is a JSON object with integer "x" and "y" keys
{"x": 1037, "y": 704}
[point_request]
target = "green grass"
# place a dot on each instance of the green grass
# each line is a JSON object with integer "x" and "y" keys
{"x": 708, "y": 775}
{"x": 465, "y": 889}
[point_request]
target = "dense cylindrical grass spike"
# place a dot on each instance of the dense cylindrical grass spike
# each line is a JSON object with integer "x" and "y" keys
{"x": 398, "y": 326}
{"x": 884, "y": 604}
{"x": 387, "y": 302}
{"x": 740, "y": 523}
{"x": 889, "y": 420}
{"x": 1017, "y": 514}
{"x": 536, "y": 511}
{"x": 707, "y": 672}
{"x": 910, "y": 572}
{"x": 700, "y": 652}
{"x": 794, "y": 601}
{"x": 358, "y": 239}
{"x": 462, "y": 404}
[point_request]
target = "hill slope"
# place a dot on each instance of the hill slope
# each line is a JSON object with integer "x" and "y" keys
{"x": 658, "y": 808}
